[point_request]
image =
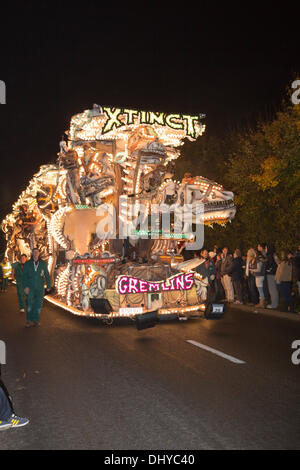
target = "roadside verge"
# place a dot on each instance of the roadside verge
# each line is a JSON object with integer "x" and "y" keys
{"x": 265, "y": 311}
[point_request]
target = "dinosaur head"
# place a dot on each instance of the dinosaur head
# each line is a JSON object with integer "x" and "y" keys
{"x": 218, "y": 204}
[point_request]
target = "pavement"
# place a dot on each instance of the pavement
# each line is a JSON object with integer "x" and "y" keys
{"x": 266, "y": 311}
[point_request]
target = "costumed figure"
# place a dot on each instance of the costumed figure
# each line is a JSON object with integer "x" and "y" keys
{"x": 35, "y": 273}
{"x": 69, "y": 161}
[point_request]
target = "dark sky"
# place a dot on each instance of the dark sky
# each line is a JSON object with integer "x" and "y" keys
{"x": 58, "y": 58}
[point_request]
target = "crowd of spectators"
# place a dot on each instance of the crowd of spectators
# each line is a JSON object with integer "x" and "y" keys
{"x": 260, "y": 277}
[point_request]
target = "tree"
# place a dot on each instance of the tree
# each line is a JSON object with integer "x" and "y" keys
{"x": 264, "y": 173}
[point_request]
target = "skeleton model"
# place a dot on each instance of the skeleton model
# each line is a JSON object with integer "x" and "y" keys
{"x": 81, "y": 212}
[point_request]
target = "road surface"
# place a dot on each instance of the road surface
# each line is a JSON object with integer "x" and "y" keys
{"x": 227, "y": 384}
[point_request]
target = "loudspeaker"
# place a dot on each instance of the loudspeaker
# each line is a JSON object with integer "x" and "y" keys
{"x": 214, "y": 311}
{"x": 101, "y": 306}
{"x": 146, "y": 320}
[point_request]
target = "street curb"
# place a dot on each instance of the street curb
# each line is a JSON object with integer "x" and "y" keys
{"x": 265, "y": 311}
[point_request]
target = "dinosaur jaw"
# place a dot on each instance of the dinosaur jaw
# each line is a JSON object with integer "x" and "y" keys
{"x": 219, "y": 216}
{"x": 219, "y": 211}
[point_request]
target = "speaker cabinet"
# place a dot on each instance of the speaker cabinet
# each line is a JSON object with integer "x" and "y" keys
{"x": 146, "y": 320}
{"x": 214, "y": 311}
{"x": 101, "y": 306}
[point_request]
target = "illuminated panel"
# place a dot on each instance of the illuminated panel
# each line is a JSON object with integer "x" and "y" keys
{"x": 132, "y": 285}
{"x": 122, "y": 312}
{"x": 190, "y": 308}
{"x": 114, "y": 123}
{"x": 94, "y": 261}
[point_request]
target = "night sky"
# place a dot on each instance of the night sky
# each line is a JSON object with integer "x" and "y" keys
{"x": 231, "y": 63}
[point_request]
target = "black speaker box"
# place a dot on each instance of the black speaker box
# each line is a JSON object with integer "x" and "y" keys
{"x": 101, "y": 306}
{"x": 146, "y": 320}
{"x": 214, "y": 311}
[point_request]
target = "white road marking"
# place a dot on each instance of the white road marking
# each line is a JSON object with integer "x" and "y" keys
{"x": 215, "y": 351}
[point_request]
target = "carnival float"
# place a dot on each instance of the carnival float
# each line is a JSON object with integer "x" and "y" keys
{"x": 96, "y": 216}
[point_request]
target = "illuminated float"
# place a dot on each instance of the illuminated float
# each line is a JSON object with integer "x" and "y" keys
{"x": 96, "y": 216}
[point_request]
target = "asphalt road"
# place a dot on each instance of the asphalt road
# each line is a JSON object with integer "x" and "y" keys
{"x": 84, "y": 385}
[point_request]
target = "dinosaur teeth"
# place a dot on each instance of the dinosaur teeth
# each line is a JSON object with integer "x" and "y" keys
{"x": 218, "y": 205}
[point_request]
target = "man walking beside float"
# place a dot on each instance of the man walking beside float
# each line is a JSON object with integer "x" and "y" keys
{"x": 35, "y": 273}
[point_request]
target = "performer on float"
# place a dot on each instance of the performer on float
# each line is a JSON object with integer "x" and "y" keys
{"x": 35, "y": 273}
{"x": 18, "y": 275}
{"x": 69, "y": 160}
{"x": 6, "y": 272}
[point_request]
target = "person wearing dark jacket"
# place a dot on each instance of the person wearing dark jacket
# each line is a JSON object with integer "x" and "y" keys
{"x": 253, "y": 292}
{"x": 208, "y": 270}
{"x": 220, "y": 293}
{"x": 271, "y": 268}
{"x": 237, "y": 276}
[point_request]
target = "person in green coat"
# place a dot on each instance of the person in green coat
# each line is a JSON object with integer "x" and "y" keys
{"x": 35, "y": 273}
{"x": 18, "y": 275}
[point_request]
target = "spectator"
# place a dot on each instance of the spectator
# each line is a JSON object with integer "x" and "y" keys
{"x": 253, "y": 293}
{"x": 282, "y": 257}
{"x": 258, "y": 270}
{"x": 208, "y": 270}
{"x": 220, "y": 293}
{"x": 284, "y": 278}
{"x": 271, "y": 268}
{"x": 237, "y": 276}
{"x": 245, "y": 287}
{"x": 226, "y": 268}
{"x": 262, "y": 249}
{"x": 216, "y": 249}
